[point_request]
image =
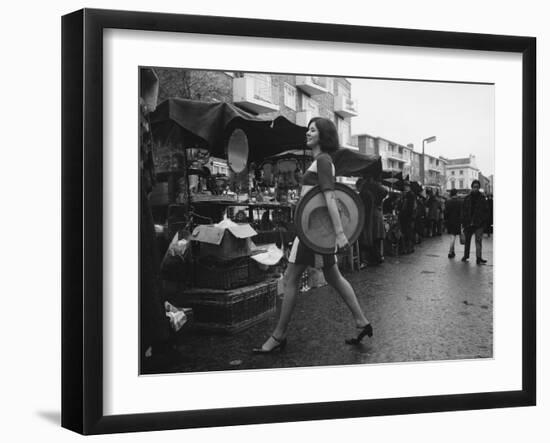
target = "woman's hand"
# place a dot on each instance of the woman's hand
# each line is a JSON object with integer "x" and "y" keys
{"x": 342, "y": 241}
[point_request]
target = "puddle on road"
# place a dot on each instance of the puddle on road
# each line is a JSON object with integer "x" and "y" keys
{"x": 427, "y": 272}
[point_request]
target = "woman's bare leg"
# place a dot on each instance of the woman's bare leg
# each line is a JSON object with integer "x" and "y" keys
{"x": 335, "y": 279}
{"x": 292, "y": 278}
{"x": 452, "y": 245}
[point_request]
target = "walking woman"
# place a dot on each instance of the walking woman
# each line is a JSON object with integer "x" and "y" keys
{"x": 322, "y": 139}
{"x": 453, "y": 209}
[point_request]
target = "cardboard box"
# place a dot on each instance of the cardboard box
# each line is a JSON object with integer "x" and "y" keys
{"x": 225, "y": 240}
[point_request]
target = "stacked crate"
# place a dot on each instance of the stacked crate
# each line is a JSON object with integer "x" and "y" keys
{"x": 229, "y": 291}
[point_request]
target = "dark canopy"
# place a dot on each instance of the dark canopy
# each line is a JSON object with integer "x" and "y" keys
{"x": 214, "y": 122}
{"x": 351, "y": 163}
{"x": 347, "y": 162}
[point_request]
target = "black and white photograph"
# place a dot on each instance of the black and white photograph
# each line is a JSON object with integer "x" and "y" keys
{"x": 255, "y": 221}
{"x": 290, "y": 220}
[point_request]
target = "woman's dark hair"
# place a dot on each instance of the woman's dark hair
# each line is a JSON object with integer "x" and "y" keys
{"x": 474, "y": 182}
{"x": 328, "y": 134}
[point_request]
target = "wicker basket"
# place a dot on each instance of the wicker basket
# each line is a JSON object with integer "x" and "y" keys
{"x": 226, "y": 311}
{"x": 227, "y": 274}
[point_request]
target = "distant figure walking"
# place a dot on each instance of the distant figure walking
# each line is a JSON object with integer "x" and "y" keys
{"x": 373, "y": 194}
{"x": 474, "y": 219}
{"x": 453, "y": 210}
{"x": 434, "y": 207}
{"x": 407, "y": 216}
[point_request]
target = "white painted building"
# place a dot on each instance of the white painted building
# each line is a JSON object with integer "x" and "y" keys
{"x": 461, "y": 172}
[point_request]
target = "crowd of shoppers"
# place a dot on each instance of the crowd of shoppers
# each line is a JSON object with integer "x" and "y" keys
{"x": 415, "y": 214}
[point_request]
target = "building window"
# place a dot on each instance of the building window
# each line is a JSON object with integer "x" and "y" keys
{"x": 310, "y": 105}
{"x": 330, "y": 85}
{"x": 461, "y": 172}
{"x": 320, "y": 81}
{"x": 452, "y": 184}
{"x": 342, "y": 90}
{"x": 344, "y": 131}
{"x": 461, "y": 184}
{"x": 452, "y": 172}
{"x": 262, "y": 87}
{"x": 290, "y": 96}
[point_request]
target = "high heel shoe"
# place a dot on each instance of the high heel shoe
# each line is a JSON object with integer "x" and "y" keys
{"x": 280, "y": 345}
{"x": 367, "y": 330}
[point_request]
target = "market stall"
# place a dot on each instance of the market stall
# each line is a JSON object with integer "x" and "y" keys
{"x": 212, "y": 264}
{"x": 250, "y": 211}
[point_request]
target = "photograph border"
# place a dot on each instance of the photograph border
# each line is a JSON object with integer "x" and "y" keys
{"x": 82, "y": 220}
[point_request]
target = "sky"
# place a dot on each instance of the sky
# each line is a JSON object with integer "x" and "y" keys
{"x": 461, "y": 116}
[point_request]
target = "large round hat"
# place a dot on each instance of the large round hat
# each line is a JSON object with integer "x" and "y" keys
{"x": 314, "y": 225}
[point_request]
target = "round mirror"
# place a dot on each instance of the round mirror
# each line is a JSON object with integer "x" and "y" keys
{"x": 237, "y": 151}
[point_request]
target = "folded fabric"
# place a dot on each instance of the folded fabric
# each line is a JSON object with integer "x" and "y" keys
{"x": 270, "y": 257}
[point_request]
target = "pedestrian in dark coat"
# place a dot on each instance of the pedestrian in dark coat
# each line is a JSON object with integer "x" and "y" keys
{"x": 434, "y": 207}
{"x": 407, "y": 215}
{"x": 420, "y": 219}
{"x": 441, "y": 219}
{"x": 368, "y": 201}
{"x": 373, "y": 194}
{"x": 453, "y": 212}
{"x": 474, "y": 219}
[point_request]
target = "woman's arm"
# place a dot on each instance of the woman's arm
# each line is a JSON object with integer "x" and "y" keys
{"x": 332, "y": 206}
{"x": 325, "y": 171}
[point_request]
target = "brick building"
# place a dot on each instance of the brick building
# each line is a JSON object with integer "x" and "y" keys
{"x": 296, "y": 97}
{"x": 395, "y": 157}
{"x": 403, "y": 158}
{"x": 435, "y": 172}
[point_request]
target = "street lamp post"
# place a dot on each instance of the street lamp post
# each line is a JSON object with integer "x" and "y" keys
{"x": 423, "y": 163}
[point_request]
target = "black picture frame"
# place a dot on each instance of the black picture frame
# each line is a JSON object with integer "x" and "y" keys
{"x": 82, "y": 216}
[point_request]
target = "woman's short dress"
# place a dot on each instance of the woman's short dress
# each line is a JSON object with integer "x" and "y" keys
{"x": 322, "y": 173}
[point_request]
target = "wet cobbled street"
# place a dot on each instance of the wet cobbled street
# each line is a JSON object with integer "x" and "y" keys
{"x": 423, "y": 306}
